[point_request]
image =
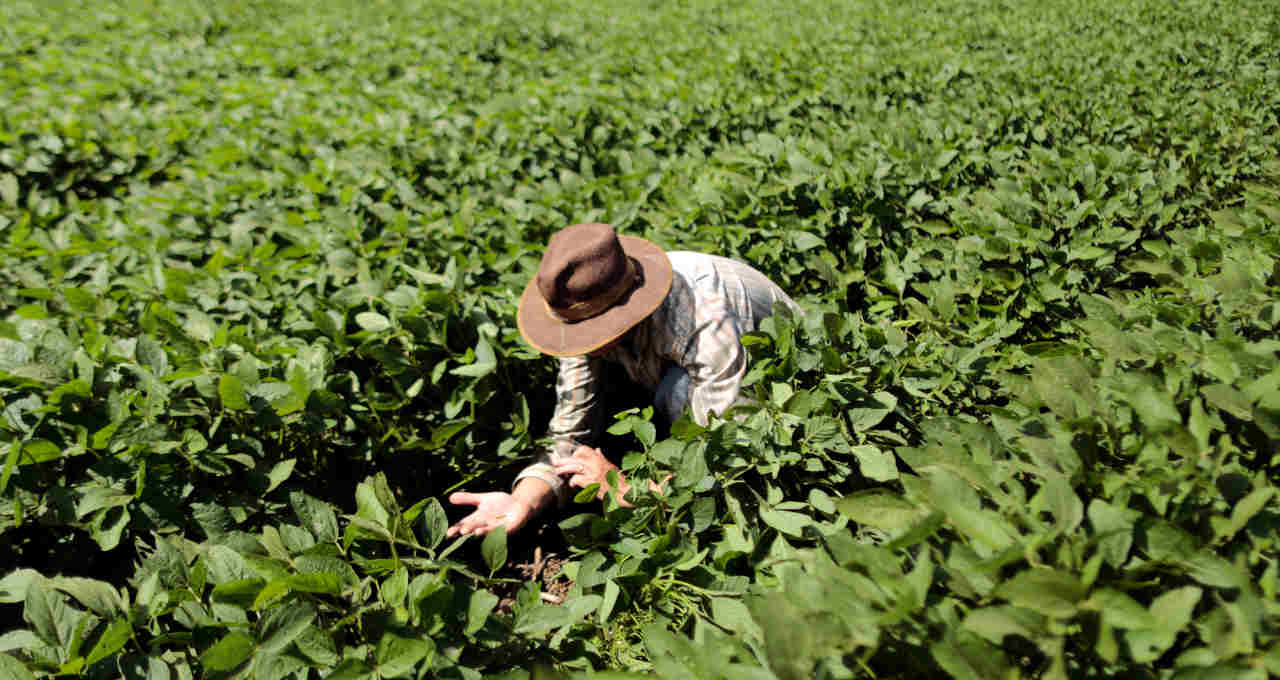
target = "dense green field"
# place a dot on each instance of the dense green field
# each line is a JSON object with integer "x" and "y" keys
{"x": 258, "y": 271}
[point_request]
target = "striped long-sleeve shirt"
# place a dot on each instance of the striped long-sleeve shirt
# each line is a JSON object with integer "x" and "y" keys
{"x": 713, "y": 301}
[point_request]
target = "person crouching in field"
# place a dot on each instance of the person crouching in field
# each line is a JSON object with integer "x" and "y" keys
{"x": 673, "y": 320}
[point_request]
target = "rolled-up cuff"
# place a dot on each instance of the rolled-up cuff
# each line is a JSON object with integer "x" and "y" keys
{"x": 546, "y": 473}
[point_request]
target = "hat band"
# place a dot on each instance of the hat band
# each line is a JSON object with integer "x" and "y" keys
{"x": 585, "y": 309}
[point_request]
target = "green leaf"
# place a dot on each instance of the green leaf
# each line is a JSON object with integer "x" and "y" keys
{"x": 994, "y": 623}
{"x": 610, "y": 599}
{"x": 242, "y": 593}
{"x": 12, "y": 669}
{"x": 228, "y": 653}
{"x": 282, "y": 625}
{"x": 1062, "y": 502}
{"x": 395, "y": 588}
{"x": 481, "y": 605}
{"x": 875, "y": 464}
{"x": 1228, "y": 399}
{"x": 540, "y": 619}
{"x": 101, "y": 598}
{"x": 373, "y": 322}
{"x": 315, "y": 515}
{"x": 435, "y": 524}
{"x": 226, "y": 565}
{"x": 14, "y": 451}
{"x": 990, "y": 531}
{"x": 794, "y": 637}
{"x": 352, "y": 669}
{"x": 484, "y": 364}
{"x": 919, "y": 198}
{"x": 329, "y": 584}
{"x": 1168, "y": 543}
{"x": 317, "y": 645}
{"x": 386, "y": 498}
{"x": 9, "y": 189}
{"x": 278, "y": 667}
{"x": 19, "y": 639}
{"x": 270, "y": 594}
{"x": 787, "y": 522}
{"x": 369, "y": 506}
{"x": 880, "y": 509}
{"x": 441, "y": 435}
{"x": 867, "y": 416}
{"x": 494, "y": 549}
{"x": 47, "y": 611}
{"x": 13, "y": 587}
{"x": 1171, "y": 612}
{"x": 97, "y": 498}
{"x": 646, "y": 432}
{"x": 326, "y": 567}
{"x": 970, "y": 658}
{"x": 806, "y": 241}
{"x": 733, "y": 615}
{"x": 279, "y": 473}
{"x": 231, "y": 392}
{"x": 113, "y": 639}
{"x": 1212, "y": 570}
{"x": 1120, "y": 611}
{"x": 398, "y": 656}
{"x": 1246, "y": 509}
{"x": 1046, "y": 591}
{"x": 1155, "y": 408}
{"x": 1220, "y": 671}
{"x": 152, "y": 355}
{"x": 1114, "y": 528}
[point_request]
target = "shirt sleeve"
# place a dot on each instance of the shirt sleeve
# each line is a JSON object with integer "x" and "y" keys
{"x": 715, "y": 359}
{"x": 572, "y": 424}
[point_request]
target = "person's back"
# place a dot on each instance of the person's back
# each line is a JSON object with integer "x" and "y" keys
{"x": 752, "y": 294}
{"x": 689, "y": 350}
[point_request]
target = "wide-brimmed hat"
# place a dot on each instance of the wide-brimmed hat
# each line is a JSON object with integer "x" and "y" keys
{"x": 592, "y": 286}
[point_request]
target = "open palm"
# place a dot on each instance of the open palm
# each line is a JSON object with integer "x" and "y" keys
{"x": 493, "y": 509}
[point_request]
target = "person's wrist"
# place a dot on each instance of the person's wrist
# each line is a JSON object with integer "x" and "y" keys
{"x": 532, "y": 493}
{"x": 530, "y": 506}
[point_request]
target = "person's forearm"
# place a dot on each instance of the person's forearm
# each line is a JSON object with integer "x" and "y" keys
{"x": 534, "y": 493}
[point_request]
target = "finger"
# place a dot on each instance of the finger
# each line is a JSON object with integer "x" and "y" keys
{"x": 470, "y": 523}
{"x": 586, "y": 453}
{"x": 566, "y": 466}
{"x": 579, "y": 481}
{"x": 463, "y": 526}
{"x": 464, "y": 498}
{"x": 489, "y": 525}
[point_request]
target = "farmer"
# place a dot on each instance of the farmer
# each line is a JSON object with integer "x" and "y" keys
{"x": 674, "y": 321}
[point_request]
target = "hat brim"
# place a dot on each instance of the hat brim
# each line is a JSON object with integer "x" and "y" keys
{"x": 550, "y": 335}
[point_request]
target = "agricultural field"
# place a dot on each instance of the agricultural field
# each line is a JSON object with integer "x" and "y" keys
{"x": 259, "y": 266}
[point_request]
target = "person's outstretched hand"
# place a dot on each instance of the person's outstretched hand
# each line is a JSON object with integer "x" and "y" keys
{"x": 493, "y": 509}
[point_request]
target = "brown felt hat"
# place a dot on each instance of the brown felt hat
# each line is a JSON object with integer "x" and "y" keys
{"x": 592, "y": 286}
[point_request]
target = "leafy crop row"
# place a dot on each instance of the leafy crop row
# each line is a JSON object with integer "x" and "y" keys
{"x": 258, "y": 269}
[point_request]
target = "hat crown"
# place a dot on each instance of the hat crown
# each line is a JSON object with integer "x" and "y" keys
{"x": 581, "y": 263}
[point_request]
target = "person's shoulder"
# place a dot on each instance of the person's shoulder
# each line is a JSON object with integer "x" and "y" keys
{"x": 689, "y": 256}
{"x": 693, "y": 265}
